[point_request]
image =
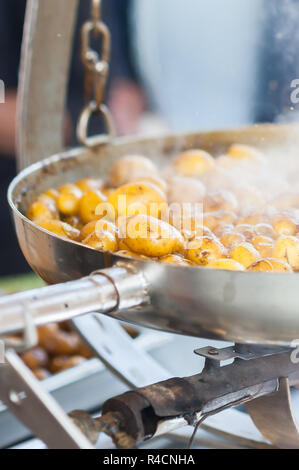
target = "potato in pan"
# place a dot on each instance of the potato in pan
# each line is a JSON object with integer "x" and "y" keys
{"x": 176, "y": 215}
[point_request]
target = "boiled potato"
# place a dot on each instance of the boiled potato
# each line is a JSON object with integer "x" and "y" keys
{"x": 245, "y": 254}
{"x": 264, "y": 230}
{"x": 252, "y": 219}
{"x": 220, "y": 201}
{"x": 59, "y": 228}
{"x": 90, "y": 205}
{"x": 222, "y": 229}
{"x": 74, "y": 221}
{"x": 204, "y": 250}
{"x": 226, "y": 264}
{"x": 175, "y": 259}
{"x": 151, "y": 237}
{"x": 52, "y": 193}
{"x": 264, "y": 245}
{"x": 61, "y": 363}
{"x": 98, "y": 225}
{"x": 155, "y": 180}
{"x": 189, "y": 225}
{"x": 185, "y": 190}
{"x": 246, "y": 230}
{"x": 89, "y": 184}
{"x": 245, "y": 152}
{"x": 41, "y": 373}
{"x": 56, "y": 341}
{"x": 286, "y": 249}
{"x": 43, "y": 209}
{"x": 231, "y": 239}
{"x": 131, "y": 254}
{"x": 270, "y": 265}
{"x": 36, "y": 357}
{"x": 193, "y": 163}
{"x": 284, "y": 225}
{"x": 140, "y": 198}
{"x": 69, "y": 199}
{"x": 131, "y": 167}
{"x": 102, "y": 241}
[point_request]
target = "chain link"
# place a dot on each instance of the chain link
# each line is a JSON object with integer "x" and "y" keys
{"x": 96, "y": 70}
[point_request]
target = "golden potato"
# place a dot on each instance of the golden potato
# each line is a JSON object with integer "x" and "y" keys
{"x": 265, "y": 249}
{"x": 56, "y": 341}
{"x": 227, "y": 217}
{"x": 36, "y": 357}
{"x": 193, "y": 163}
{"x": 132, "y": 254}
{"x": 155, "y": 180}
{"x": 74, "y": 221}
{"x": 139, "y": 198}
{"x": 52, "y": 193}
{"x": 61, "y": 363}
{"x": 210, "y": 220}
{"x": 102, "y": 241}
{"x": 59, "y": 228}
{"x": 87, "y": 230}
{"x": 43, "y": 209}
{"x": 253, "y": 219}
{"x": 220, "y": 201}
{"x": 98, "y": 226}
{"x": 246, "y": 230}
{"x": 261, "y": 239}
{"x": 106, "y": 226}
{"x": 222, "y": 229}
{"x": 151, "y": 237}
{"x": 245, "y": 254}
{"x": 226, "y": 264}
{"x": 175, "y": 259}
{"x": 189, "y": 225}
{"x": 89, "y": 204}
{"x": 284, "y": 225}
{"x": 89, "y": 184}
{"x": 185, "y": 190}
{"x": 204, "y": 250}
{"x": 41, "y": 373}
{"x": 69, "y": 199}
{"x": 264, "y": 230}
{"x": 131, "y": 167}
{"x": 270, "y": 265}
{"x": 245, "y": 152}
{"x": 286, "y": 249}
{"x": 231, "y": 239}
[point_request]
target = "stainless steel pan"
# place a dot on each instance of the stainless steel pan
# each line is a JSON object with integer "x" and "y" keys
{"x": 236, "y": 306}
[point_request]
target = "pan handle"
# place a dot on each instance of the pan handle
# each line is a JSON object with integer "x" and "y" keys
{"x": 115, "y": 289}
{"x": 46, "y": 52}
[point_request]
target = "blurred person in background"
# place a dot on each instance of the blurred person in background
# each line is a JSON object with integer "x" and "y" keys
{"x": 217, "y": 64}
{"x": 124, "y": 97}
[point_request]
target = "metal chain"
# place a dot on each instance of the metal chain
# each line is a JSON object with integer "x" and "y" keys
{"x": 96, "y": 70}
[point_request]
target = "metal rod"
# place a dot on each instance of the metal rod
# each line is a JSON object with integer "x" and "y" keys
{"x": 99, "y": 292}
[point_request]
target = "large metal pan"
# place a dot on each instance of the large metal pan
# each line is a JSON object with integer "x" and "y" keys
{"x": 236, "y": 306}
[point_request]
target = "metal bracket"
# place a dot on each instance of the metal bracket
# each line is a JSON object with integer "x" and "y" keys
{"x": 247, "y": 354}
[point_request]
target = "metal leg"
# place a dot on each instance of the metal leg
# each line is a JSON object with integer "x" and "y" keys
{"x": 27, "y": 400}
{"x": 274, "y": 418}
